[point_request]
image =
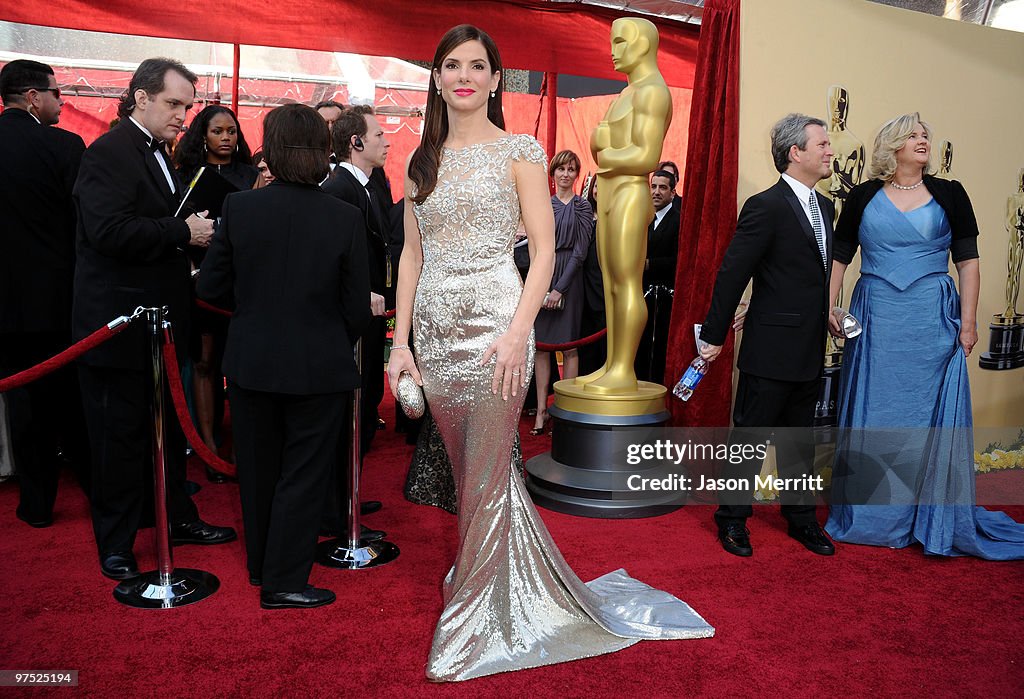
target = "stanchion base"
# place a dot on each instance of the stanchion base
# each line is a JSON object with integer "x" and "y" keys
{"x": 335, "y": 553}
{"x": 186, "y": 587}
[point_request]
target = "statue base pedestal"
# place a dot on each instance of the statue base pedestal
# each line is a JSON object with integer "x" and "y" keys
{"x": 1006, "y": 344}
{"x": 586, "y": 472}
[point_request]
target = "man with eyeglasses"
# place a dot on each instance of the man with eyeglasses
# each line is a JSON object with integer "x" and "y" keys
{"x": 38, "y": 166}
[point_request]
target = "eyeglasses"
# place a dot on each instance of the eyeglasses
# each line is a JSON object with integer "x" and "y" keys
{"x": 55, "y": 91}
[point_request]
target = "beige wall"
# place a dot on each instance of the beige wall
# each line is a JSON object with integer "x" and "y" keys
{"x": 966, "y": 81}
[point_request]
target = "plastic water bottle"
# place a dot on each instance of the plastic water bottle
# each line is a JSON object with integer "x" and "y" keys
{"x": 694, "y": 373}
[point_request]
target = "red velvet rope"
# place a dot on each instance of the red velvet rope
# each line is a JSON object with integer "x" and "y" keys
{"x": 56, "y": 362}
{"x": 211, "y": 308}
{"x": 589, "y": 340}
{"x": 542, "y": 346}
{"x": 184, "y": 419}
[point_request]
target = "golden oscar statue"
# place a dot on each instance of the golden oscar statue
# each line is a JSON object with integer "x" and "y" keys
{"x": 627, "y": 147}
{"x": 598, "y": 416}
{"x": 1015, "y": 248}
{"x": 946, "y": 161}
{"x": 848, "y": 163}
{"x": 848, "y": 159}
{"x": 1006, "y": 339}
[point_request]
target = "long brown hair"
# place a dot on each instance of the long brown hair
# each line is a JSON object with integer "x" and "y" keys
{"x": 427, "y": 157}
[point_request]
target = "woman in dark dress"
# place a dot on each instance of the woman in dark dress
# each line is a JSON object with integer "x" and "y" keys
{"x": 559, "y": 318}
{"x": 213, "y": 140}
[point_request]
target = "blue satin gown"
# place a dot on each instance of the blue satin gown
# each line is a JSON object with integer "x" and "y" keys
{"x": 904, "y": 469}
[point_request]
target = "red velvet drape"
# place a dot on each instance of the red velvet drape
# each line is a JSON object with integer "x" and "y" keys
{"x": 709, "y": 210}
{"x": 565, "y": 38}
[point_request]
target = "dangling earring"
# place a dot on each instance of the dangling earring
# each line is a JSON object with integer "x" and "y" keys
{"x": 204, "y": 146}
{"x": 438, "y": 91}
{"x": 236, "y": 147}
{"x": 492, "y": 94}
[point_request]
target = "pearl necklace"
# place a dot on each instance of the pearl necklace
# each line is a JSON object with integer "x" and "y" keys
{"x": 906, "y": 189}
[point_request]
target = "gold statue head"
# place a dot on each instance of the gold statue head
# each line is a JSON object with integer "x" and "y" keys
{"x": 634, "y": 42}
{"x": 838, "y": 104}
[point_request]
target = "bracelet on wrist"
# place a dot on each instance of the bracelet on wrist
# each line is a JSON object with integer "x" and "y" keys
{"x": 399, "y": 347}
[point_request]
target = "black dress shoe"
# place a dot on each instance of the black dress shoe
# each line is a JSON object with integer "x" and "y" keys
{"x": 368, "y": 507}
{"x": 735, "y": 539}
{"x": 365, "y": 533}
{"x": 119, "y": 565}
{"x": 199, "y": 532}
{"x": 41, "y": 522}
{"x": 381, "y": 425}
{"x": 310, "y": 597}
{"x": 813, "y": 537}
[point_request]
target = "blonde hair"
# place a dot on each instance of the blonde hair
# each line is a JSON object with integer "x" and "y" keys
{"x": 891, "y": 137}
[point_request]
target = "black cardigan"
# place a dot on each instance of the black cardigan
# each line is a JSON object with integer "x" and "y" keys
{"x": 950, "y": 195}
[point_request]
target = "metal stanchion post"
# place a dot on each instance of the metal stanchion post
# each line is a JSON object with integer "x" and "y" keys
{"x": 350, "y": 552}
{"x": 164, "y": 587}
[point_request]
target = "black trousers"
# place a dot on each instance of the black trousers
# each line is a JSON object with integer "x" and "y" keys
{"x": 45, "y": 417}
{"x": 285, "y": 446}
{"x": 650, "y": 353}
{"x": 783, "y": 410}
{"x": 118, "y": 413}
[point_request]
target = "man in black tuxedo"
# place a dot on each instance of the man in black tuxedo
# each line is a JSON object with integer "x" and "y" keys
{"x": 38, "y": 167}
{"x": 360, "y": 145}
{"x": 659, "y": 278}
{"x": 783, "y": 241}
{"x": 131, "y": 252}
{"x": 361, "y": 148}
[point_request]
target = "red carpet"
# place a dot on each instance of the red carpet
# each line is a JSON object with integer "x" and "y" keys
{"x": 866, "y": 622}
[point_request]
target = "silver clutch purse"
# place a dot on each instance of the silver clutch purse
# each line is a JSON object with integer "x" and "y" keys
{"x": 410, "y": 396}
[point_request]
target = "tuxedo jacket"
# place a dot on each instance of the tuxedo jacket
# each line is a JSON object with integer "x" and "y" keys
{"x": 130, "y": 247}
{"x": 774, "y": 244}
{"x": 662, "y": 250}
{"x": 38, "y": 167}
{"x": 344, "y": 185}
{"x": 293, "y": 261}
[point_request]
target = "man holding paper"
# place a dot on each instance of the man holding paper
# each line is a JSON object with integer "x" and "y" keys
{"x": 131, "y": 252}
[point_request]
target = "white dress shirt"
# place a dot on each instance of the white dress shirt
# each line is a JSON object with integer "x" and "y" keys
{"x": 803, "y": 193}
{"x": 161, "y": 161}
{"x": 661, "y": 213}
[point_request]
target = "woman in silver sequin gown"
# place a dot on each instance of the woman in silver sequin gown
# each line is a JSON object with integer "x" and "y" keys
{"x": 511, "y": 601}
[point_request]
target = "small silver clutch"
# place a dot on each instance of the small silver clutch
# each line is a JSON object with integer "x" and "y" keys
{"x": 410, "y": 396}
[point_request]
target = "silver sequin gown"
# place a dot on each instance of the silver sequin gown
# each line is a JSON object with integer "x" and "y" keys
{"x": 511, "y": 601}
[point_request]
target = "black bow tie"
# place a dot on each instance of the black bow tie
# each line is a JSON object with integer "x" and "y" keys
{"x": 155, "y": 145}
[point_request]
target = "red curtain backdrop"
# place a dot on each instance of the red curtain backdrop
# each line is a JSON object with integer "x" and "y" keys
{"x": 560, "y": 37}
{"x": 709, "y": 211}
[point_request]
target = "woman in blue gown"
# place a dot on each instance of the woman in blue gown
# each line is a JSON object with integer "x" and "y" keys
{"x": 904, "y": 469}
